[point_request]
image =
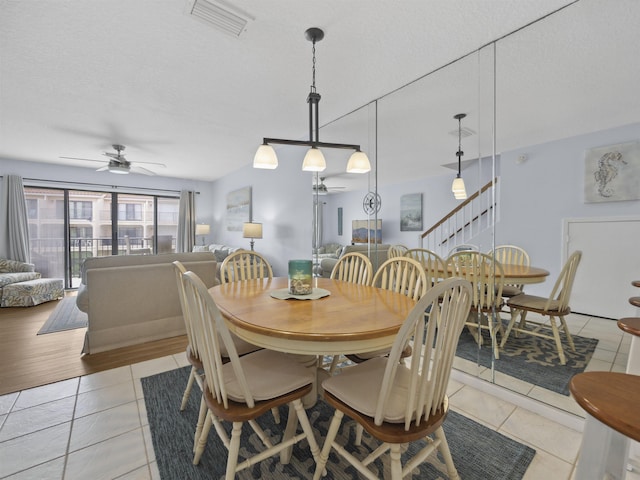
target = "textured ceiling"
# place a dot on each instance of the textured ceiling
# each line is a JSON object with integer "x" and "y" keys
{"x": 77, "y": 76}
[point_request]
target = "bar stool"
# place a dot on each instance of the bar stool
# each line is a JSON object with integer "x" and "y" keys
{"x": 610, "y": 400}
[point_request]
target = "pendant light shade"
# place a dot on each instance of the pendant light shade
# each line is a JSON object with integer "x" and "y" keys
{"x": 265, "y": 157}
{"x": 358, "y": 163}
{"x": 314, "y": 161}
{"x": 458, "y": 188}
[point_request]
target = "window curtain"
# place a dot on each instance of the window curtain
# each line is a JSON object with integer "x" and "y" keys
{"x": 17, "y": 224}
{"x": 186, "y": 222}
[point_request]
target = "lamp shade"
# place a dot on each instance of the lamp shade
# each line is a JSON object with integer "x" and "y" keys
{"x": 358, "y": 163}
{"x": 314, "y": 161}
{"x": 252, "y": 230}
{"x": 458, "y": 188}
{"x": 265, "y": 157}
{"x": 202, "y": 229}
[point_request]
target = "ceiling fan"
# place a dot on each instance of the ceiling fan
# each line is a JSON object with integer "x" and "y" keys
{"x": 322, "y": 188}
{"x": 117, "y": 163}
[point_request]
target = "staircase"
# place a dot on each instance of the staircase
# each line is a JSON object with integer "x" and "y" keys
{"x": 463, "y": 223}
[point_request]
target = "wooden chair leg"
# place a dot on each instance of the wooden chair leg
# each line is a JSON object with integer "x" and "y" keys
{"x": 187, "y": 390}
{"x": 556, "y": 336}
{"x": 568, "y": 334}
{"x": 202, "y": 440}
{"x": 446, "y": 454}
{"x": 234, "y": 448}
{"x": 328, "y": 440}
{"x": 396, "y": 464}
{"x": 201, "y": 419}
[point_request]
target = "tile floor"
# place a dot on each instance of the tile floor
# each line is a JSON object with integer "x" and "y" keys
{"x": 95, "y": 427}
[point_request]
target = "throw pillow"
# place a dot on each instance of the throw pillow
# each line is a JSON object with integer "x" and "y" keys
{"x": 221, "y": 255}
{"x": 200, "y": 248}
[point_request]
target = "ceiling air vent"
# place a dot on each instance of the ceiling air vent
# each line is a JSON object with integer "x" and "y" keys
{"x": 220, "y": 15}
{"x": 464, "y": 132}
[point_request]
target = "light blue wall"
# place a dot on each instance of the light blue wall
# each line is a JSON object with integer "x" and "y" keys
{"x": 281, "y": 201}
{"x": 536, "y": 197}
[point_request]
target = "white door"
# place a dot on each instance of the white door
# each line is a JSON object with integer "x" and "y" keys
{"x": 610, "y": 261}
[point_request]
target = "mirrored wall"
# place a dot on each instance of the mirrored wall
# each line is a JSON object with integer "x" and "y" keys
{"x": 500, "y": 88}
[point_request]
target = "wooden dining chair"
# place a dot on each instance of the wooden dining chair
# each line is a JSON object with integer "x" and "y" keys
{"x": 433, "y": 264}
{"x": 244, "y": 265}
{"x": 554, "y": 306}
{"x": 353, "y": 267}
{"x": 512, "y": 255}
{"x": 486, "y": 276}
{"x": 401, "y": 275}
{"x": 463, "y": 247}
{"x": 401, "y": 402}
{"x": 246, "y": 387}
{"x": 193, "y": 356}
{"x": 396, "y": 251}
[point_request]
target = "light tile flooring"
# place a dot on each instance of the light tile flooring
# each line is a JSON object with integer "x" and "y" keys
{"x": 95, "y": 427}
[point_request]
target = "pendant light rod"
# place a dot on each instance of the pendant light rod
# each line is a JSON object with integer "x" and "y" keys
{"x": 311, "y": 143}
{"x": 314, "y": 159}
{"x": 459, "y": 153}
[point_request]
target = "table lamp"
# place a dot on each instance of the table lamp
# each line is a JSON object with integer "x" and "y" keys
{"x": 252, "y": 230}
{"x": 202, "y": 230}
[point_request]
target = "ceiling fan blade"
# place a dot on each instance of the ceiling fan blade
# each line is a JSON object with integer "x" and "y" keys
{"x": 102, "y": 169}
{"x": 151, "y": 163}
{"x": 85, "y": 159}
{"x": 115, "y": 156}
{"x": 142, "y": 170}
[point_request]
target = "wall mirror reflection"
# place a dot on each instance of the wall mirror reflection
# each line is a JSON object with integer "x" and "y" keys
{"x": 529, "y": 120}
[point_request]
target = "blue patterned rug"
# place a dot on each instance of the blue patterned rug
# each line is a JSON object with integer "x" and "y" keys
{"x": 531, "y": 359}
{"x": 479, "y": 453}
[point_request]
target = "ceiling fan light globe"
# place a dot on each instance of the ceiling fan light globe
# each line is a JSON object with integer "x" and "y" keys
{"x": 314, "y": 161}
{"x": 119, "y": 169}
{"x": 265, "y": 157}
{"x": 358, "y": 163}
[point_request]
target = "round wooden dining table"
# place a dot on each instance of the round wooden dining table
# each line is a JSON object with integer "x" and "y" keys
{"x": 351, "y": 319}
{"x": 523, "y": 274}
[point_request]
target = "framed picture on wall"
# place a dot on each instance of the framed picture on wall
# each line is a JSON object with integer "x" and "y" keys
{"x": 363, "y": 230}
{"x": 612, "y": 173}
{"x": 411, "y": 212}
{"x": 238, "y": 209}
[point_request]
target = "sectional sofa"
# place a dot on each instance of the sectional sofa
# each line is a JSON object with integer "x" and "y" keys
{"x": 132, "y": 299}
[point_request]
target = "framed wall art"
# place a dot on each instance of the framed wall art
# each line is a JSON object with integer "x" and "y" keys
{"x": 612, "y": 173}
{"x": 411, "y": 212}
{"x": 238, "y": 209}
{"x": 363, "y": 230}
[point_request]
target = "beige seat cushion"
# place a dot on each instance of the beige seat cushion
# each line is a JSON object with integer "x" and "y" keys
{"x": 532, "y": 302}
{"x": 285, "y": 374}
{"x": 367, "y": 377}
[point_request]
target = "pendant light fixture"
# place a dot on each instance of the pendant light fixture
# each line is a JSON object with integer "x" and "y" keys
{"x": 314, "y": 159}
{"x": 458, "y": 189}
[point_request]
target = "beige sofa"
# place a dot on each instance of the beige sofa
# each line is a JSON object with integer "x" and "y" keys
{"x": 132, "y": 299}
{"x": 378, "y": 255}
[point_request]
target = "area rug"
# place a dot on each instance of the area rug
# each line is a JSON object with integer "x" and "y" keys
{"x": 531, "y": 359}
{"x": 66, "y": 316}
{"x": 478, "y": 452}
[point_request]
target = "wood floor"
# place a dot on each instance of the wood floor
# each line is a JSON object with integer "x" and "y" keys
{"x": 28, "y": 360}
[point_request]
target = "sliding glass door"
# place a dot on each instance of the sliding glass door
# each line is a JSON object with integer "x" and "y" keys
{"x": 66, "y": 226}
